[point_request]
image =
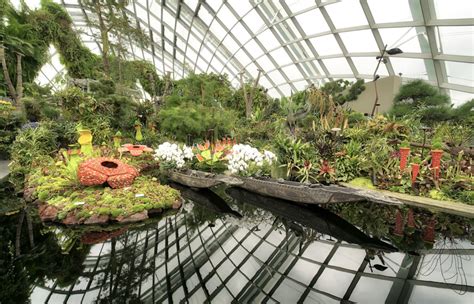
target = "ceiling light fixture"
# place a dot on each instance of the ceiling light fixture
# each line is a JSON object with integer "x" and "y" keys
{"x": 381, "y": 58}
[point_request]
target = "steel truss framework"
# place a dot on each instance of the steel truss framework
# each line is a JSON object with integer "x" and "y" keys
{"x": 225, "y": 263}
{"x": 275, "y": 36}
{"x": 278, "y": 37}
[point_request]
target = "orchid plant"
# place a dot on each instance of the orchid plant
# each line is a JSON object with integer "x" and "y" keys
{"x": 246, "y": 160}
{"x": 172, "y": 155}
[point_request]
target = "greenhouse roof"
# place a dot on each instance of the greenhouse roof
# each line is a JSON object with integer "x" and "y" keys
{"x": 297, "y": 43}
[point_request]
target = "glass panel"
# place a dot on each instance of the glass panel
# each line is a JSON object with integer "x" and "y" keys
{"x": 445, "y": 9}
{"x": 241, "y": 33}
{"x": 367, "y": 65}
{"x": 392, "y": 11}
{"x": 226, "y": 16}
{"x": 254, "y": 49}
{"x": 348, "y": 258}
{"x": 243, "y": 58}
{"x": 411, "y": 68}
{"x": 292, "y": 72}
{"x": 326, "y": 45}
{"x": 241, "y": 7}
{"x": 346, "y": 13}
{"x": 286, "y": 89}
{"x": 359, "y": 41}
{"x": 300, "y": 85}
{"x": 277, "y": 77}
{"x": 369, "y": 290}
{"x": 460, "y": 73}
{"x": 281, "y": 56}
{"x": 458, "y": 98}
{"x": 312, "y": 22}
{"x": 425, "y": 294}
{"x": 253, "y": 21}
{"x": 268, "y": 40}
{"x": 457, "y": 40}
{"x": 296, "y": 6}
{"x": 288, "y": 292}
{"x": 192, "y": 4}
{"x": 303, "y": 271}
{"x": 334, "y": 282}
{"x": 337, "y": 66}
{"x": 218, "y": 31}
{"x": 407, "y": 39}
{"x": 230, "y": 44}
{"x": 205, "y": 15}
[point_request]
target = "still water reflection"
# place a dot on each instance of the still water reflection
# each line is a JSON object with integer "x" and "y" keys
{"x": 237, "y": 247}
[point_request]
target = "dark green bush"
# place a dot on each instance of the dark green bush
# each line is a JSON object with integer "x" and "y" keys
{"x": 196, "y": 120}
{"x": 423, "y": 101}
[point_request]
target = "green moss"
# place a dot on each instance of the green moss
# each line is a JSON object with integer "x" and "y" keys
{"x": 362, "y": 182}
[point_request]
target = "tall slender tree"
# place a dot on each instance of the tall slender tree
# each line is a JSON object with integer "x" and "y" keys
{"x": 110, "y": 19}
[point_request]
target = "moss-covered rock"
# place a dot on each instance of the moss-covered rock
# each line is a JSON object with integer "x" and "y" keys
{"x": 56, "y": 188}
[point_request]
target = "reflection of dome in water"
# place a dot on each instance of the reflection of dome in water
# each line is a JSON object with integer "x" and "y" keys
{"x": 224, "y": 263}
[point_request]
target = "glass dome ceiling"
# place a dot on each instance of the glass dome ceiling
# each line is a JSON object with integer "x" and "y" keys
{"x": 296, "y": 43}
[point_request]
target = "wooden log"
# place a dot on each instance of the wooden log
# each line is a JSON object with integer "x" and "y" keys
{"x": 420, "y": 201}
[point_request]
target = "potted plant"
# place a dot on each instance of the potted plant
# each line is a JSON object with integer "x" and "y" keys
{"x": 415, "y": 169}
{"x": 404, "y": 154}
{"x": 436, "y": 154}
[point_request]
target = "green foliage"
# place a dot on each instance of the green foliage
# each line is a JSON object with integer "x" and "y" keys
{"x": 195, "y": 120}
{"x": 55, "y": 25}
{"x": 10, "y": 122}
{"x": 464, "y": 114}
{"x": 356, "y": 117}
{"x": 204, "y": 89}
{"x": 455, "y": 134}
{"x": 32, "y": 32}
{"x": 349, "y": 164}
{"x": 57, "y": 187}
{"x": 437, "y": 144}
{"x": 19, "y": 34}
{"x": 295, "y": 154}
{"x": 263, "y": 105}
{"x": 343, "y": 91}
{"x": 30, "y": 146}
{"x": 421, "y": 100}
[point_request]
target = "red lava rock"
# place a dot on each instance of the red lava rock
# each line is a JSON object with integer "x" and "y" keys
{"x": 136, "y": 217}
{"x": 97, "y": 171}
{"x": 71, "y": 219}
{"x": 100, "y": 236}
{"x": 47, "y": 213}
{"x": 97, "y": 219}
{"x": 177, "y": 204}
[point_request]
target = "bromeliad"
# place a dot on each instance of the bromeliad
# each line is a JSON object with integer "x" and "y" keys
{"x": 211, "y": 153}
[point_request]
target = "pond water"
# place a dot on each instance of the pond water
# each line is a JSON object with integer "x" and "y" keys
{"x": 230, "y": 246}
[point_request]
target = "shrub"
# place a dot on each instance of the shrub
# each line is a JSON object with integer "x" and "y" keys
{"x": 196, "y": 120}
{"x": 423, "y": 101}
